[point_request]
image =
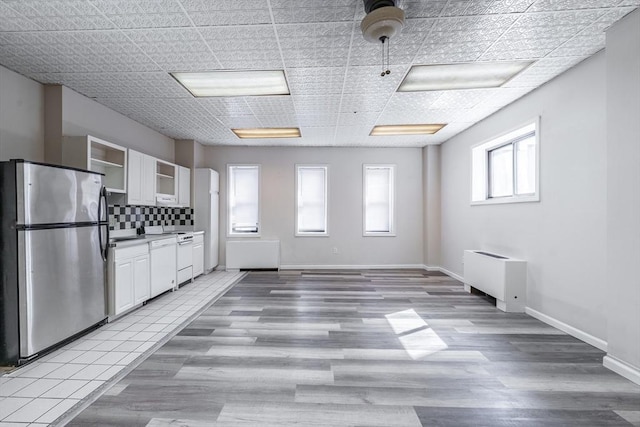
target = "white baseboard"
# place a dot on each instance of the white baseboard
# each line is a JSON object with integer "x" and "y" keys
{"x": 447, "y": 272}
{"x": 351, "y": 267}
{"x": 574, "y": 332}
{"x": 621, "y": 368}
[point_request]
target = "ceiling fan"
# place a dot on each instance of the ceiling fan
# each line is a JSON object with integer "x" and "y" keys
{"x": 383, "y": 21}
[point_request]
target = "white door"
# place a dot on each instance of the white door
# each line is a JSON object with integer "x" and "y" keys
{"x": 184, "y": 187}
{"x": 124, "y": 285}
{"x": 142, "y": 284}
{"x": 134, "y": 185}
{"x": 148, "y": 180}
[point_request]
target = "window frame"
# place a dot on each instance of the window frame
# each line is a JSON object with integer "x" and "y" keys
{"x": 481, "y": 165}
{"x": 297, "y": 231}
{"x": 392, "y": 204}
{"x": 230, "y": 232}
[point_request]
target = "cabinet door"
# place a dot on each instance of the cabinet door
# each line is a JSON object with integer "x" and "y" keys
{"x": 124, "y": 280}
{"x": 134, "y": 185}
{"x": 148, "y": 181}
{"x": 184, "y": 187}
{"x": 142, "y": 284}
{"x": 198, "y": 259}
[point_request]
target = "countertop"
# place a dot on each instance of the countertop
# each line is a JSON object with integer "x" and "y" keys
{"x": 141, "y": 240}
{"x": 133, "y": 240}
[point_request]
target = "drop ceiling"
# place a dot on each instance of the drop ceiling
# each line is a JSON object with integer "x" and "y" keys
{"x": 120, "y": 53}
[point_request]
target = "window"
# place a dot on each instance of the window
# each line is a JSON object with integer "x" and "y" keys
{"x": 505, "y": 169}
{"x": 311, "y": 200}
{"x": 379, "y": 200}
{"x": 243, "y": 196}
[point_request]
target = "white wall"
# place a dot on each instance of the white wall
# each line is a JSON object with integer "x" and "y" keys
{"x": 21, "y": 117}
{"x": 345, "y": 204}
{"x": 84, "y": 116}
{"x": 623, "y": 203}
{"x": 562, "y": 237}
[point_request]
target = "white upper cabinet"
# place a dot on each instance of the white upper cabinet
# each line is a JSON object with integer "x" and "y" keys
{"x": 141, "y": 179}
{"x": 97, "y": 155}
{"x": 166, "y": 183}
{"x": 184, "y": 186}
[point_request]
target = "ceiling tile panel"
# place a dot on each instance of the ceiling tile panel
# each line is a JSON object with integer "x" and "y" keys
{"x": 542, "y": 71}
{"x": 552, "y": 5}
{"x": 316, "y": 44}
{"x": 322, "y": 119}
{"x": 227, "y": 12}
{"x": 236, "y": 106}
{"x": 262, "y": 105}
{"x": 357, "y": 119}
{"x": 296, "y": 11}
{"x": 367, "y": 80}
{"x": 535, "y": 35}
{"x": 278, "y": 120}
{"x": 241, "y": 122}
{"x": 174, "y": 49}
{"x": 362, "y": 103}
{"x": 317, "y": 104}
{"x": 316, "y": 81}
{"x": 244, "y": 47}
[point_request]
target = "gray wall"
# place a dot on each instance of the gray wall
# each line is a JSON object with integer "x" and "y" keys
{"x": 562, "y": 237}
{"x": 623, "y": 203}
{"x": 21, "y": 117}
{"x": 432, "y": 193}
{"x": 345, "y": 204}
{"x": 84, "y": 116}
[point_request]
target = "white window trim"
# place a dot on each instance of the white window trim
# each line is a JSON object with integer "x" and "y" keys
{"x": 326, "y": 201}
{"x": 495, "y": 142}
{"x": 229, "y": 232}
{"x": 392, "y": 232}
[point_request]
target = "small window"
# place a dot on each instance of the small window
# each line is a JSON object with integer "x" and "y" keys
{"x": 244, "y": 200}
{"x": 379, "y": 200}
{"x": 505, "y": 169}
{"x": 311, "y": 200}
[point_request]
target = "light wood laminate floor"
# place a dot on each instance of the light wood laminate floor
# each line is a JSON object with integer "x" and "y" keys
{"x": 366, "y": 348}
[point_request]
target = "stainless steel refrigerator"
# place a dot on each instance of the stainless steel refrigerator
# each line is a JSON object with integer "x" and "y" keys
{"x": 206, "y": 213}
{"x": 54, "y": 237}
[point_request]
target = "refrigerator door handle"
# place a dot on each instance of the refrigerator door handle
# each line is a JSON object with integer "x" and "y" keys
{"x": 103, "y": 222}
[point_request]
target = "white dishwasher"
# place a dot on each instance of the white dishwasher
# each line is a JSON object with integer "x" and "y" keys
{"x": 163, "y": 254}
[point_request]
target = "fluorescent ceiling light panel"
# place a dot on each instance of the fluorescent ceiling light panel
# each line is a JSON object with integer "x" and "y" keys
{"x": 472, "y": 75}
{"x": 388, "y": 130}
{"x": 267, "y": 133}
{"x": 234, "y": 83}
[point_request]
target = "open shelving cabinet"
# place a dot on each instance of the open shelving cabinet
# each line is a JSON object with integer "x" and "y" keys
{"x": 94, "y": 154}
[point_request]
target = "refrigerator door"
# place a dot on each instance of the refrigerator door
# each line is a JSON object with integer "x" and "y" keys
{"x": 57, "y": 301}
{"x": 56, "y": 195}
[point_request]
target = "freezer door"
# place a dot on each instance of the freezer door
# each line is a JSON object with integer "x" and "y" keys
{"x": 61, "y": 285}
{"x": 54, "y": 195}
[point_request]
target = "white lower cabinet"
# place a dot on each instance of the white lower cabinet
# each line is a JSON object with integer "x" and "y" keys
{"x": 128, "y": 278}
{"x": 141, "y": 279}
{"x": 198, "y": 254}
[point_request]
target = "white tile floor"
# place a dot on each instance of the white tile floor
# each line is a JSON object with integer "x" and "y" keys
{"x": 60, "y": 384}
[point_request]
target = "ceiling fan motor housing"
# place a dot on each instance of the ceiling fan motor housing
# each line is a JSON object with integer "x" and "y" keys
{"x": 383, "y": 21}
{"x": 371, "y": 5}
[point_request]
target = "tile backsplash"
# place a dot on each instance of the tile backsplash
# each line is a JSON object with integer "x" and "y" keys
{"x": 123, "y": 217}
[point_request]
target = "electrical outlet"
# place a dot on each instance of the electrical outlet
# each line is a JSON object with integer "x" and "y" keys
{"x": 335, "y": 250}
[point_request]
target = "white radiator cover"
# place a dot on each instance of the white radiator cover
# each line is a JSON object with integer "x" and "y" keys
{"x": 252, "y": 254}
{"x": 503, "y": 278}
